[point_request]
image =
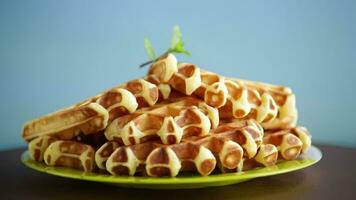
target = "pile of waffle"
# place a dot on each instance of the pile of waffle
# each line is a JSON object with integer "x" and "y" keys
{"x": 179, "y": 118}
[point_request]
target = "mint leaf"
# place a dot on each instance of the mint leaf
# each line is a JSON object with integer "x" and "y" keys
{"x": 177, "y": 44}
{"x": 176, "y": 37}
{"x": 149, "y": 49}
{"x": 179, "y": 48}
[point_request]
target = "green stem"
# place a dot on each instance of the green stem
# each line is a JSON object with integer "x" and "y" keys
{"x": 146, "y": 63}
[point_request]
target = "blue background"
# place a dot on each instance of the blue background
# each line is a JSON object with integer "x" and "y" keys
{"x": 55, "y": 53}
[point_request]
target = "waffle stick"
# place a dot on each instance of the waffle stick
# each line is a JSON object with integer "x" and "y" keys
{"x": 274, "y": 106}
{"x": 267, "y": 155}
{"x": 262, "y": 154}
{"x": 285, "y": 144}
{"x": 93, "y": 114}
{"x": 38, "y": 146}
{"x": 227, "y": 146}
{"x": 165, "y": 90}
{"x": 290, "y": 142}
{"x": 70, "y": 154}
{"x": 303, "y": 134}
{"x": 169, "y": 122}
{"x": 104, "y": 152}
{"x": 128, "y": 97}
{"x": 284, "y": 98}
{"x": 68, "y": 123}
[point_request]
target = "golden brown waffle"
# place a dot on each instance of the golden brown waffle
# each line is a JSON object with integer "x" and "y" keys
{"x": 165, "y": 90}
{"x": 273, "y": 106}
{"x": 290, "y": 142}
{"x": 283, "y": 97}
{"x": 103, "y": 153}
{"x": 168, "y": 121}
{"x": 68, "y": 123}
{"x": 228, "y": 145}
{"x": 93, "y": 115}
{"x": 70, "y": 154}
{"x": 212, "y": 89}
{"x": 303, "y": 134}
{"x": 38, "y": 146}
{"x": 285, "y": 144}
{"x": 267, "y": 155}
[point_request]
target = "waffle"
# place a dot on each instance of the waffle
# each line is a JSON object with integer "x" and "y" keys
{"x": 227, "y": 145}
{"x": 176, "y": 119}
{"x": 93, "y": 114}
{"x": 103, "y": 153}
{"x": 266, "y": 156}
{"x": 235, "y": 146}
{"x": 68, "y": 123}
{"x": 38, "y": 146}
{"x": 290, "y": 142}
{"x": 70, "y": 154}
{"x": 172, "y": 121}
{"x": 283, "y": 97}
{"x": 285, "y": 144}
{"x": 164, "y": 89}
{"x": 273, "y": 106}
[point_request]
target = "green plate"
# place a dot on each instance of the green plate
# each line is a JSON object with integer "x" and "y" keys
{"x": 182, "y": 181}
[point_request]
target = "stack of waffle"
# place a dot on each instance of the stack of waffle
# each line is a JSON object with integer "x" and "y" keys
{"x": 176, "y": 119}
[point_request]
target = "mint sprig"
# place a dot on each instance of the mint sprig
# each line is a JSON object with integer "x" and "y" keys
{"x": 177, "y": 43}
{"x": 177, "y": 46}
{"x": 149, "y": 49}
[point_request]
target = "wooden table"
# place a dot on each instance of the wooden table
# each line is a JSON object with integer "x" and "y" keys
{"x": 334, "y": 177}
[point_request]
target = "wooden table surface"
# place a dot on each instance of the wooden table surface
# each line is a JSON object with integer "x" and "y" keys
{"x": 334, "y": 177}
